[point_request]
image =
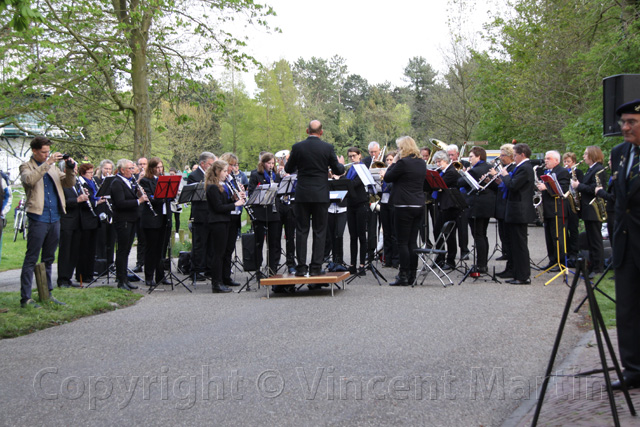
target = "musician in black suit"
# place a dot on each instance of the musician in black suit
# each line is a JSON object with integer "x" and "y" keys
{"x": 573, "y": 220}
{"x": 267, "y": 218}
{"x": 387, "y": 219}
{"x": 235, "y": 224}
{"x": 506, "y": 158}
{"x": 200, "y": 256}
{"x": 609, "y": 196}
{"x": 519, "y": 212}
{"x": 106, "y": 236}
{"x": 90, "y": 223}
{"x": 481, "y": 205}
{"x": 462, "y": 222}
{"x": 357, "y": 207}
{"x": 312, "y": 158}
{"x": 125, "y": 203}
{"x": 626, "y": 246}
{"x": 594, "y": 158}
{"x": 555, "y": 211}
{"x": 407, "y": 174}
{"x": 447, "y": 207}
{"x": 154, "y": 223}
{"x": 70, "y": 235}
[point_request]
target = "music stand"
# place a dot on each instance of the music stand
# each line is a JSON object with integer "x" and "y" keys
{"x": 167, "y": 188}
{"x": 192, "y": 193}
{"x": 286, "y": 189}
{"x": 105, "y": 191}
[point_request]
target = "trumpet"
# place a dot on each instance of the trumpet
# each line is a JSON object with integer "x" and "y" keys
{"x": 140, "y": 191}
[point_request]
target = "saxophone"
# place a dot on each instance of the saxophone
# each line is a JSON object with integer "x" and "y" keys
{"x": 598, "y": 203}
{"x": 537, "y": 197}
{"x": 573, "y": 196}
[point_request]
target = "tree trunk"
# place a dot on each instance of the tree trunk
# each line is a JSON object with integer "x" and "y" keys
{"x": 140, "y": 87}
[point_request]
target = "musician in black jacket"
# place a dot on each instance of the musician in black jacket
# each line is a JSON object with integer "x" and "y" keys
{"x": 90, "y": 223}
{"x": 506, "y": 158}
{"x": 594, "y": 158}
{"x": 407, "y": 174}
{"x": 154, "y": 223}
{"x": 106, "y": 236}
{"x": 447, "y": 207}
{"x": 573, "y": 219}
{"x": 200, "y": 255}
{"x": 220, "y": 205}
{"x": 125, "y": 203}
{"x": 555, "y": 210}
{"x": 519, "y": 212}
{"x": 481, "y": 205}
{"x": 387, "y": 219}
{"x": 70, "y": 235}
{"x": 267, "y": 217}
{"x": 235, "y": 224}
{"x": 357, "y": 207}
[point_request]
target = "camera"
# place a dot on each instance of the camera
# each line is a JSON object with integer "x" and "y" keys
{"x": 67, "y": 159}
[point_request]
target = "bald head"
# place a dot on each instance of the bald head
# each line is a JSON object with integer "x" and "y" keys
{"x": 315, "y": 128}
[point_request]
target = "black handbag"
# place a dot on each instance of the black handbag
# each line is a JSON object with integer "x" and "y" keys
{"x": 249, "y": 262}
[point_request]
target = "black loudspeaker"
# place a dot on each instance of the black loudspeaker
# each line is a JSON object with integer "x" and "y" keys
{"x": 249, "y": 262}
{"x": 616, "y": 91}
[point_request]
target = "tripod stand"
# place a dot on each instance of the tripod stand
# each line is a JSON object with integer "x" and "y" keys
{"x": 554, "y": 189}
{"x": 600, "y": 330}
{"x": 192, "y": 193}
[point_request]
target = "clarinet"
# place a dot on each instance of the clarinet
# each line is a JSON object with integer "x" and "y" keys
{"x": 236, "y": 195}
{"x": 85, "y": 191}
{"x": 106, "y": 199}
{"x": 140, "y": 190}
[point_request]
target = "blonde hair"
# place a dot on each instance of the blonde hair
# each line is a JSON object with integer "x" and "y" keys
{"x": 212, "y": 176}
{"x": 407, "y": 147}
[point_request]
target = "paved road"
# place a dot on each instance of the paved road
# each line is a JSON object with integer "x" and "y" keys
{"x": 372, "y": 355}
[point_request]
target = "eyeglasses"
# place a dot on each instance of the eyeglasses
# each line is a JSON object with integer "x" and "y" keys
{"x": 630, "y": 122}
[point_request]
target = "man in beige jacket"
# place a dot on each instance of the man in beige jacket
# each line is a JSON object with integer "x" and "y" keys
{"x": 43, "y": 184}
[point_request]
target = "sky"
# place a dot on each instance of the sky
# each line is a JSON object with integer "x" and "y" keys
{"x": 376, "y": 41}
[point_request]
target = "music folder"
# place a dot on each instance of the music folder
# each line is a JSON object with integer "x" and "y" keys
{"x": 552, "y": 184}
{"x": 193, "y": 193}
{"x": 435, "y": 181}
{"x": 105, "y": 188}
{"x": 167, "y": 187}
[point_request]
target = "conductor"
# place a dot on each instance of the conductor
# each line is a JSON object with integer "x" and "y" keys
{"x": 311, "y": 159}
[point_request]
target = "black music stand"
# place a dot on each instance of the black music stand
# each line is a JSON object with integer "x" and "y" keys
{"x": 105, "y": 191}
{"x": 192, "y": 193}
{"x": 167, "y": 188}
{"x": 286, "y": 189}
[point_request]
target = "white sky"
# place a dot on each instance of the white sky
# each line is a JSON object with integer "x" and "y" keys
{"x": 376, "y": 42}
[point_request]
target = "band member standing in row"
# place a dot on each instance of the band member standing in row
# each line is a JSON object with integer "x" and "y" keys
{"x": 336, "y": 223}
{"x": 506, "y": 158}
{"x": 573, "y": 246}
{"x": 463, "y": 220}
{"x": 200, "y": 256}
{"x": 267, "y": 217}
{"x": 288, "y": 220}
{"x": 106, "y": 236}
{"x": 154, "y": 223}
{"x": 311, "y": 158}
{"x": 519, "y": 213}
{"x": 235, "y": 222}
{"x": 481, "y": 205}
{"x": 407, "y": 173}
{"x": 357, "y": 207}
{"x": 555, "y": 211}
{"x": 90, "y": 223}
{"x": 126, "y": 213}
{"x": 447, "y": 207}
{"x": 387, "y": 219}
{"x": 220, "y": 205}
{"x": 594, "y": 158}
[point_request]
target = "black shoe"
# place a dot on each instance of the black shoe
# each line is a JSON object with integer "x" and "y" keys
{"x": 464, "y": 256}
{"x": 64, "y": 284}
{"x": 131, "y": 285}
{"x": 548, "y": 266}
{"x": 219, "y": 288}
{"x": 163, "y": 282}
{"x": 401, "y": 280}
{"x": 482, "y": 270}
{"x": 199, "y": 277}
{"x": 314, "y": 272}
{"x": 507, "y": 274}
{"x": 502, "y": 258}
{"x": 230, "y": 282}
{"x": 571, "y": 263}
{"x": 292, "y": 270}
{"x": 149, "y": 283}
{"x": 519, "y": 282}
{"x": 124, "y": 285}
{"x": 630, "y": 381}
{"x": 362, "y": 271}
{"x": 353, "y": 270}
{"x": 301, "y": 271}
{"x": 554, "y": 269}
{"x": 340, "y": 268}
{"x": 137, "y": 269}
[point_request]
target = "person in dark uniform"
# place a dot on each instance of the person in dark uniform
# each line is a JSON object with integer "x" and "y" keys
{"x": 519, "y": 212}
{"x": 573, "y": 220}
{"x": 357, "y": 207}
{"x": 481, "y": 205}
{"x": 267, "y": 217}
{"x": 126, "y": 213}
{"x": 463, "y": 219}
{"x": 407, "y": 174}
{"x": 625, "y": 169}
{"x": 200, "y": 257}
{"x": 506, "y": 158}
{"x": 154, "y": 223}
{"x": 312, "y": 158}
{"x": 106, "y": 236}
{"x": 387, "y": 219}
{"x": 235, "y": 224}
{"x": 447, "y": 208}
{"x": 555, "y": 211}
{"x": 70, "y": 235}
{"x": 594, "y": 158}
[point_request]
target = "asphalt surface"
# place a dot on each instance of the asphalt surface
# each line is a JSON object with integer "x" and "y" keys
{"x": 468, "y": 354}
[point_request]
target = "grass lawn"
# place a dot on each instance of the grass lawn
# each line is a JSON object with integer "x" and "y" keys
{"x": 80, "y": 303}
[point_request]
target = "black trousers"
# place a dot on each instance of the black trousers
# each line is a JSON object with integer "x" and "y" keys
{"x": 593, "y": 230}
{"x": 87, "y": 256}
{"x": 479, "y": 228}
{"x": 153, "y": 265}
{"x": 68, "y": 253}
{"x": 288, "y": 220}
{"x": 573, "y": 242}
{"x": 141, "y": 248}
{"x": 462, "y": 223}
{"x": 334, "y": 243}
{"x": 125, "y": 232}
{"x": 628, "y": 313}
{"x": 106, "y": 242}
{"x": 554, "y": 239}
{"x": 407, "y": 225}
{"x": 506, "y": 243}
{"x": 390, "y": 243}
{"x": 357, "y": 221}
{"x": 218, "y": 236}
{"x": 519, "y": 255}
{"x": 201, "y": 255}
{"x": 232, "y": 233}
{"x": 307, "y": 214}
{"x": 273, "y": 237}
